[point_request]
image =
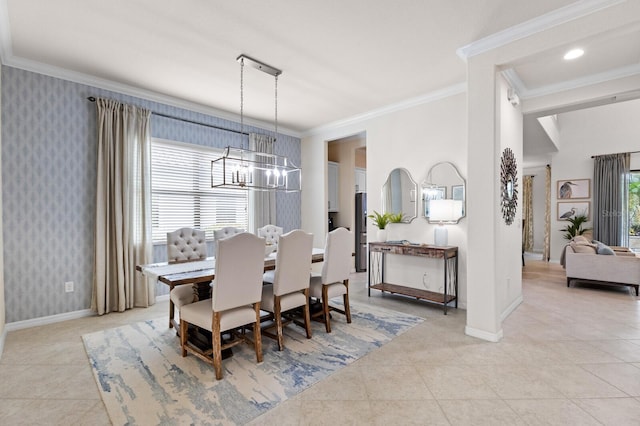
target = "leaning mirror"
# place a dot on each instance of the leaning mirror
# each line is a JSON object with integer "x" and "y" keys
{"x": 399, "y": 195}
{"x": 444, "y": 182}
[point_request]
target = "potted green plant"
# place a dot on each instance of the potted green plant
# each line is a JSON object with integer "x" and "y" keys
{"x": 381, "y": 220}
{"x": 396, "y": 217}
{"x": 575, "y": 226}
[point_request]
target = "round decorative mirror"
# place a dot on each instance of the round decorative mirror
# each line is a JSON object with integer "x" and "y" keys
{"x": 509, "y": 184}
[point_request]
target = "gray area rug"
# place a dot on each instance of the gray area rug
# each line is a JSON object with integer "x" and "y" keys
{"x": 144, "y": 380}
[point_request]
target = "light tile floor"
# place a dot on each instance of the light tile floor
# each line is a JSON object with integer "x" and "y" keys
{"x": 570, "y": 356}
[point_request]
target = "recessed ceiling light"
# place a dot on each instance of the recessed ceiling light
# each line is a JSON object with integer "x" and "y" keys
{"x": 573, "y": 54}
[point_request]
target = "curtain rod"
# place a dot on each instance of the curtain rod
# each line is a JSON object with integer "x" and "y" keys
{"x": 198, "y": 123}
{"x": 630, "y": 152}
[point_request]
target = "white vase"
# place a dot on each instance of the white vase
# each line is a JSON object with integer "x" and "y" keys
{"x": 382, "y": 235}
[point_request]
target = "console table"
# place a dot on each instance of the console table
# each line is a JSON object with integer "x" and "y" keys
{"x": 378, "y": 252}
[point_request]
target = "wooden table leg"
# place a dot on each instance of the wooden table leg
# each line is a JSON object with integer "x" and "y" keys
{"x": 171, "y": 308}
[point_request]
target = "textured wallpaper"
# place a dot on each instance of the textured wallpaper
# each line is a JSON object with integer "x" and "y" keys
{"x": 49, "y": 159}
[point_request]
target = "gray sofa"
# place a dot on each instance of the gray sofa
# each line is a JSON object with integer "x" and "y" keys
{"x": 621, "y": 269}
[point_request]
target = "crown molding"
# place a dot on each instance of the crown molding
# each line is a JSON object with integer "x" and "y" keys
{"x": 150, "y": 95}
{"x": 536, "y": 25}
{"x": 514, "y": 80}
{"x": 446, "y": 92}
{"x": 5, "y": 32}
{"x": 603, "y": 77}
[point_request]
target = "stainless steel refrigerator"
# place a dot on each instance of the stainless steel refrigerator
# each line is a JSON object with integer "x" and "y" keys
{"x": 361, "y": 232}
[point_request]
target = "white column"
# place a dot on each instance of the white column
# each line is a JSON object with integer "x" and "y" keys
{"x": 483, "y": 320}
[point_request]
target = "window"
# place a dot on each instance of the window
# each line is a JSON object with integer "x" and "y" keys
{"x": 182, "y": 195}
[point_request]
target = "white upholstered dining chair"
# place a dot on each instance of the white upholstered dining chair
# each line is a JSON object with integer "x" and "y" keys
{"x": 229, "y": 231}
{"x": 290, "y": 288}
{"x": 221, "y": 234}
{"x": 334, "y": 279}
{"x": 271, "y": 233}
{"x": 184, "y": 245}
{"x": 235, "y": 300}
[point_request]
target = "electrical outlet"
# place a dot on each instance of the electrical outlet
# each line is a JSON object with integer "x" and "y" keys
{"x": 68, "y": 286}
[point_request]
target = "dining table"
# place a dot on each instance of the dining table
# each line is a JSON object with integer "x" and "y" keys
{"x": 199, "y": 274}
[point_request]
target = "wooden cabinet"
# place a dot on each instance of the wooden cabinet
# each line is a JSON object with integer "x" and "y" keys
{"x": 378, "y": 253}
{"x": 334, "y": 187}
{"x": 360, "y": 177}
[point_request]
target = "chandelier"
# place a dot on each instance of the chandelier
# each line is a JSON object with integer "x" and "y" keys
{"x": 240, "y": 168}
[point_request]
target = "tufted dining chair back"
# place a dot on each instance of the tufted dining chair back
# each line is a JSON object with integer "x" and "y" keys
{"x": 221, "y": 234}
{"x": 186, "y": 245}
{"x": 271, "y": 233}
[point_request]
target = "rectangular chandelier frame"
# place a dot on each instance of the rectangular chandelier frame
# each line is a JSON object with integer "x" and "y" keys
{"x": 239, "y": 168}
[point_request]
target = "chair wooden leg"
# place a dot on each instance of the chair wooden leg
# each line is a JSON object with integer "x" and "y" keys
{"x": 345, "y": 298}
{"x": 325, "y": 308}
{"x": 307, "y": 314}
{"x": 257, "y": 336}
{"x": 184, "y": 330}
{"x": 216, "y": 345}
{"x": 278, "y": 317}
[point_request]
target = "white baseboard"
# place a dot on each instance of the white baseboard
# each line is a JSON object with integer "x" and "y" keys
{"x": 3, "y": 335}
{"x": 511, "y": 308}
{"x": 35, "y": 322}
{"x": 484, "y": 335}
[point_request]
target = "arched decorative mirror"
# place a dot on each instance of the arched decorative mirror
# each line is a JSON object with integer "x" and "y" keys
{"x": 444, "y": 182}
{"x": 399, "y": 195}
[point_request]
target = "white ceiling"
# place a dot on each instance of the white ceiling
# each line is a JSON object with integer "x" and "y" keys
{"x": 340, "y": 58}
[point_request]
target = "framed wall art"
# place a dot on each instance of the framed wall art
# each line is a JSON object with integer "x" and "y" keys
{"x": 569, "y": 209}
{"x": 574, "y": 188}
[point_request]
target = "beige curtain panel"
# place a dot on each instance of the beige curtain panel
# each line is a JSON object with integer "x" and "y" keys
{"x": 527, "y": 232}
{"x": 546, "y": 251}
{"x": 261, "y": 203}
{"x": 123, "y": 208}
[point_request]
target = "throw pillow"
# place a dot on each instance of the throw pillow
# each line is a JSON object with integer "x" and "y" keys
{"x": 579, "y": 239}
{"x": 583, "y": 248}
{"x": 604, "y": 249}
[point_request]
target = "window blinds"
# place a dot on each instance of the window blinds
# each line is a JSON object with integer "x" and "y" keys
{"x": 182, "y": 195}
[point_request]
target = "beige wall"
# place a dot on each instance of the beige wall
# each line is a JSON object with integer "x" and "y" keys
{"x": 467, "y": 130}
{"x": 509, "y": 273}
{"x": 398, "y": 140}
{"x": 2, "y": 311}
{"x": 601, "y": 130}
{"x": 361, "y": 158}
